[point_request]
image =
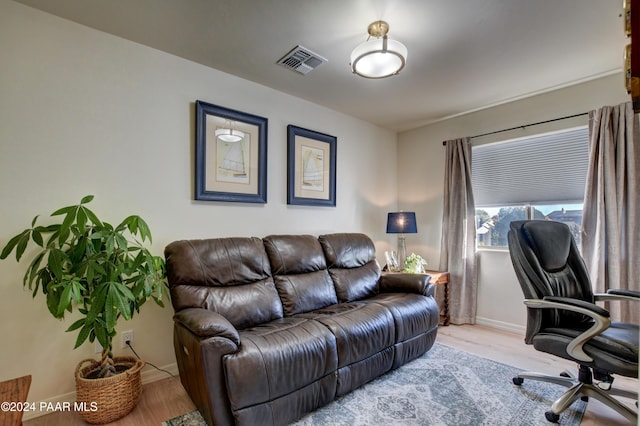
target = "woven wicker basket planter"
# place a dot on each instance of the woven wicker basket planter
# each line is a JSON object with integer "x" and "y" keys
{"x": 114, "y": 397}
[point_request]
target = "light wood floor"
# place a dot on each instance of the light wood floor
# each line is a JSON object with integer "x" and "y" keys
{"x": 166, "y": 398}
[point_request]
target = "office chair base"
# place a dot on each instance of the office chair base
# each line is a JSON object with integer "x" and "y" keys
{"x": 581, "y": 389}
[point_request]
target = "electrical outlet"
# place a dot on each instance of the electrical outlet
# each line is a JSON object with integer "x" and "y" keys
{"x": 127, "y": 336}
{"x": 98, "y": 347}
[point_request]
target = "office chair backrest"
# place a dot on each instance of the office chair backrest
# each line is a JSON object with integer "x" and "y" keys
{"x": 547, "y": 263}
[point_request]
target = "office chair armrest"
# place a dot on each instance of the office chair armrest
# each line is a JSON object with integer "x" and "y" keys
{"x": 615, "y": 294}
{"x": 600, "y": 317}
{"x": 578, "y": 303}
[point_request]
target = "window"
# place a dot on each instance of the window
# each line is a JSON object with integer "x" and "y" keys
{"x": 492, "y": 223}
{"x": 538, "y": 177}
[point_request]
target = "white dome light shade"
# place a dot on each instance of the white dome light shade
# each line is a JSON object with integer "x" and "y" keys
{"x": 372, "y": 60}
{"x": 229, "y": 135}
{"x": 378, "y": 57}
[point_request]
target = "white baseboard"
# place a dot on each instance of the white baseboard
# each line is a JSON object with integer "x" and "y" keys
{"x": 500, "y": 325}
{"x": 148, "y": 375}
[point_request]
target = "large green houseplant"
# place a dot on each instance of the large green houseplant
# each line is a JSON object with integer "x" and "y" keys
{"x": 102, "y": 270}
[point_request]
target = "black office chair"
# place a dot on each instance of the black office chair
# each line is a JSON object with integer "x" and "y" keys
{"x": 563, "y": 320}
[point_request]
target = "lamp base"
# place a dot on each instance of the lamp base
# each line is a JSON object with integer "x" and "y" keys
{"x": 402, "y": 251}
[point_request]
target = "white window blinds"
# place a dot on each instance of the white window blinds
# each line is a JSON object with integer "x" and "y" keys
{"x": 541, "y": 169}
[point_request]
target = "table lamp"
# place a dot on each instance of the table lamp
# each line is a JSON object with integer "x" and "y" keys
{"x": 401, "y": 223}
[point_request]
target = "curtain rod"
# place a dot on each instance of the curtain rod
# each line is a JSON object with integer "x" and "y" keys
{"x": 526, "y": 125}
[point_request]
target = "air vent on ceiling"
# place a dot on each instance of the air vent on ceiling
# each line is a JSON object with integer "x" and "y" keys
{"x": 301, "y": 59}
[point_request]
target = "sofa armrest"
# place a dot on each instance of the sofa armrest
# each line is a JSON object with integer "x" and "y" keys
{"x": 406, "y": 283}
{"x": 201, "y": 340}
{"x": 205, "y": 323}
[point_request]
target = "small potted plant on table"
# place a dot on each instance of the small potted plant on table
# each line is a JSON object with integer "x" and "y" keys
{"x": 107, "y": 274}
{"x": 414, "y": 264}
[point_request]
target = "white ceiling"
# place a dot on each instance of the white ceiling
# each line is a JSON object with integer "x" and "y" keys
{"x": 463, "y": 54}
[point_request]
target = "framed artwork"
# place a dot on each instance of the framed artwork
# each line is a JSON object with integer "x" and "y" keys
{"x": 231, "y": 155}
{"x": 311, "y": 173}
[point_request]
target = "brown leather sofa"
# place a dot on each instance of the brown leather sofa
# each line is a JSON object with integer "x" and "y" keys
{"x": 266, "y": 330}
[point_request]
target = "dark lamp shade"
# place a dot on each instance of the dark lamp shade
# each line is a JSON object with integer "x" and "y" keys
{"x": 401, "y": 223}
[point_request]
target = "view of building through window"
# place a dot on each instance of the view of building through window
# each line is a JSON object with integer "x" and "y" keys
{"x": 492, "y": 223}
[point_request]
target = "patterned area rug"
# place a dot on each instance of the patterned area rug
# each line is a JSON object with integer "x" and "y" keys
{"x": 445, "y": 386}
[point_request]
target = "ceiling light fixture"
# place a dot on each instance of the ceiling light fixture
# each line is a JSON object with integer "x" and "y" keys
{"x": 378, "y": 57}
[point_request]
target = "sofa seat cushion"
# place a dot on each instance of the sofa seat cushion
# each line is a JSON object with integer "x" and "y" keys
{"x": 413, "y": 314}
{"x": 361, "y": 329}
{"x": 278, "y": 358}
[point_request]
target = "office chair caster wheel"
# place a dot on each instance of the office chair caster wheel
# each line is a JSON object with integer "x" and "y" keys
{"x": 518, "y": 381}
{"x": 552, "y": 417}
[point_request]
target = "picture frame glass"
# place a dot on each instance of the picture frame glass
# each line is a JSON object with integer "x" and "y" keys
{"x": 312, "y": 171}
{"x": 232, "y": 165}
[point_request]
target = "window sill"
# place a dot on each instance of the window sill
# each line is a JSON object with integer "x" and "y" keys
{"x": 493, "y": 249}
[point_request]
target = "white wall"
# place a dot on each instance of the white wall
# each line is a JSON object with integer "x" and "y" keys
{"x": 83, "y": 112}
{"x": 421, "y": 179}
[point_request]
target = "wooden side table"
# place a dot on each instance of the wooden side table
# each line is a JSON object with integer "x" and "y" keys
{"x": 441, "y": 278}
{"x": 14, "y": 390}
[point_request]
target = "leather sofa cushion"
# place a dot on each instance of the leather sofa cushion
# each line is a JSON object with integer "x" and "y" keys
{"x": 413, "y": 314}
{"x": 300, "y": 273}
{"x": 278, "y": 358}
{"x": 361, "y": 329}
{"x": 230, "y": 276}
{"x": 294, "y": 254}
{"x": 243, "y": 305}
{"x": 305, "y": 292}
{"x": 357, "y": 283}
{"x": 347, "y": 250}
{"x": 351, "y": 259}
{"x": 216, "y": 262}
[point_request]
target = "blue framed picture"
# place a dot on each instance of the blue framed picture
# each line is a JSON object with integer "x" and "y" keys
{"x": 231, "y": 155}
{"x": 311, "y": 172}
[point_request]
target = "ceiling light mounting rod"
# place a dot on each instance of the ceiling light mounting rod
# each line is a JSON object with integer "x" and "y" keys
{"x": 378, "y": 57}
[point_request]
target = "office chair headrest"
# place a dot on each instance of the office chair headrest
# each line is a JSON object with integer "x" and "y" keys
{"x": 550, "y": 241}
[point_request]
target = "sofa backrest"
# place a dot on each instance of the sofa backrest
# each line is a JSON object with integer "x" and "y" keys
{"x": 231, "y": 276}
{"x": 300, "y": 273}
{"x": 351, "y": 259}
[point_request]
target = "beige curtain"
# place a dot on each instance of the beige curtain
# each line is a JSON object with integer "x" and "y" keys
{"x": 610, "y": 224}
{"x": 458, "y": 243}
